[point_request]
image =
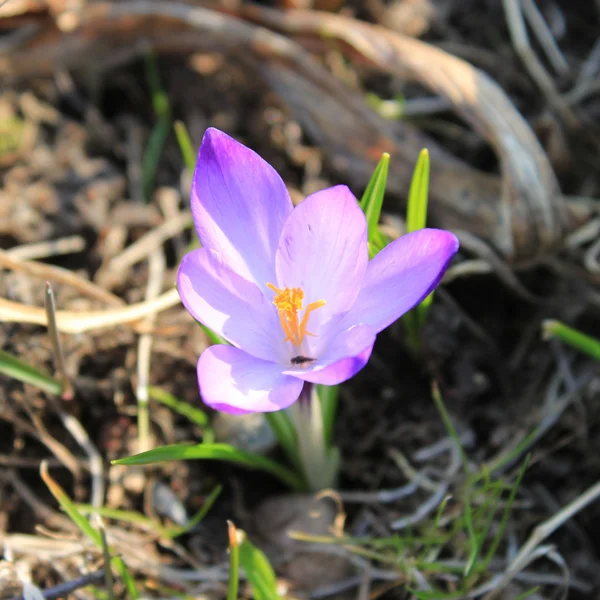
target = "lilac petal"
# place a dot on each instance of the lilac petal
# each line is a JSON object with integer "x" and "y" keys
{"x": 346, "y": 354}
{"x": 235, "y": 382}
{"x": 401, "y": 275}
{"x": 230, "y": 305}
{"x": 323, "y": 250}
{"x": 340, "y": 370}
{"x": 239, "y": 204}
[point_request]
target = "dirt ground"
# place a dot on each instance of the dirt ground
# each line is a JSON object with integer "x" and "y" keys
{"x": 94, "y": 196}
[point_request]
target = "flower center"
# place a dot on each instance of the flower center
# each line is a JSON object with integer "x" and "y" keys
{"x": 289, "y": 301}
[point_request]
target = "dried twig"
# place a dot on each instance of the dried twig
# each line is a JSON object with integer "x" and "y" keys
{"x": 78, "y": 322}
{"x": 67, "y": 245}
{"x": 520, "y": 39}
{"x": 155, "y": 278}
{"x": 57, "y": 274}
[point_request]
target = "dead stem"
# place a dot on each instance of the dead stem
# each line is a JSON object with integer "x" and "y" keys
{"x": 156, "y": 269}
{"x": 59, "y": 358}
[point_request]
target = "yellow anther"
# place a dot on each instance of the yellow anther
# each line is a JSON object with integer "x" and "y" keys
{"x": 288, "y": 302}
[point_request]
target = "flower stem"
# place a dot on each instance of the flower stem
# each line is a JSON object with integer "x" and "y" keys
{"x": 319, "y": 461}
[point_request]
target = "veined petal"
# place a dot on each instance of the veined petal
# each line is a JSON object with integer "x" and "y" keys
{"x": 401, "y": 275}
{"x": 323, "y": 250}
{"x": 347, "y": 353}
{"x": 239, "y": 204}
{"x": 230, "y": 305}
{"x": 235, "y": 382}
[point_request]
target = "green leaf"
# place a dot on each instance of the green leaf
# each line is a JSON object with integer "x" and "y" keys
{"x": 259, "y": 572}
{"x": 579, "y": 340}
{"x": 18, "y": 369}
{"x": 416, "y": 218}
{"x": 69, "y": 507}
{"x": 214, "y": 452}
{"x": 85, "y": 526}
{"x": 193, "y": 414}
{"x": 284, "y": 431}
{"x": 416, "y": 212}
{"x": 328, "y": 395}
{"x": 234, "y": 562}
{"x": 199, "y": 516}
{"x": 161, "y": 130}
{"x": 188, "y": 152}
{"x": 372, "y": 202}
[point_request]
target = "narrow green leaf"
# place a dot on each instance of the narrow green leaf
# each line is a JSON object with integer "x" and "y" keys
{"x": 505, "y": 515}
{"x": 85, "y": 526}
{"x": 579, "y": 340}
{"x": 186, "y": 146}
{"x": 119, "y": 565}
{"x": 372, "y": 202}
{"x": 161, "y": 130}
{"x": 416, "y": 212}
{"x": 126, "y": 516}
{"x": 284, "y": 431}
{"x": 69, "y": 507}
{"x": 416, "y": 218}
{"x": 259, "y": 572}
{"x": 328, "y": 395}
{"x": 234, "y": 562}
{"x": 199, "y": 516}
{"x": 193, "y": 414}
{"x": 18, "y": 369}
{"x": 214, "y": 452}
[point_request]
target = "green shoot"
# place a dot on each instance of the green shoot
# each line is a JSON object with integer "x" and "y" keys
{"x": 18, "y": 369}
{"x": 116, "y": 562}
{"x": 372, "y": 202}
{"x": 185, "y": 146}
{"x": 160, "y": 132}
{"x": 416, "y": 218}
{"x": 581, "y": 341}
{"x": 214, "y": 452}
{"x": 193, "y": 414}
{"x": 258, "y": 570}
{"x": 234, "y": 562}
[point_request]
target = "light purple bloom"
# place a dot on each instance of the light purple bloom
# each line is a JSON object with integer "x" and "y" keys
{"x": 291, "y": 289}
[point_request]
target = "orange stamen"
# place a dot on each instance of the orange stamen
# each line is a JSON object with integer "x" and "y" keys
{"x": 288, "y": 302}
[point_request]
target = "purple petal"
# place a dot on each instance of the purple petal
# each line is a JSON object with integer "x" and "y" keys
{"x": 340, "y": 370}
{"x": 230, "y": 305}
{"x": 347, "y": 353}
{"x": 401, "y": 275}
{"x": 239, "y": 204}
{"x": 235, "y": 382}
{"x": 323, "y": 250}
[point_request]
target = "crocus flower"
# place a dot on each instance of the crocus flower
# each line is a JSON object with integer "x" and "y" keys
{"x": 290, "y": 288}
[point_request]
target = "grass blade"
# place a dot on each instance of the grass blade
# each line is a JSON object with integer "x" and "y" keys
{"x": 161, "y": 130}
{"x": 214, "y": 452}
{"x": 188, "y": 152}
{"x": 418, "y": 195}
{"x": 18, "y": 369}
{"x": 85, "y": 526}
{"x": 372, "y": 202}
{"x": 234, "y": 562}
{"x": 69, "y": 507}
{"x": 193, "y": 414}
{"x": 259, "y": 572}
{"x": 581, "y": 341}
{"x": 199, "y": 516}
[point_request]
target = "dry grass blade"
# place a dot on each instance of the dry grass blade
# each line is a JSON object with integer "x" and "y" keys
{"x": 78, "y": 322}
{"x": 56, "y": 274}
{"x": 518, "y": 32}
{"x": 543, "y": 531}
